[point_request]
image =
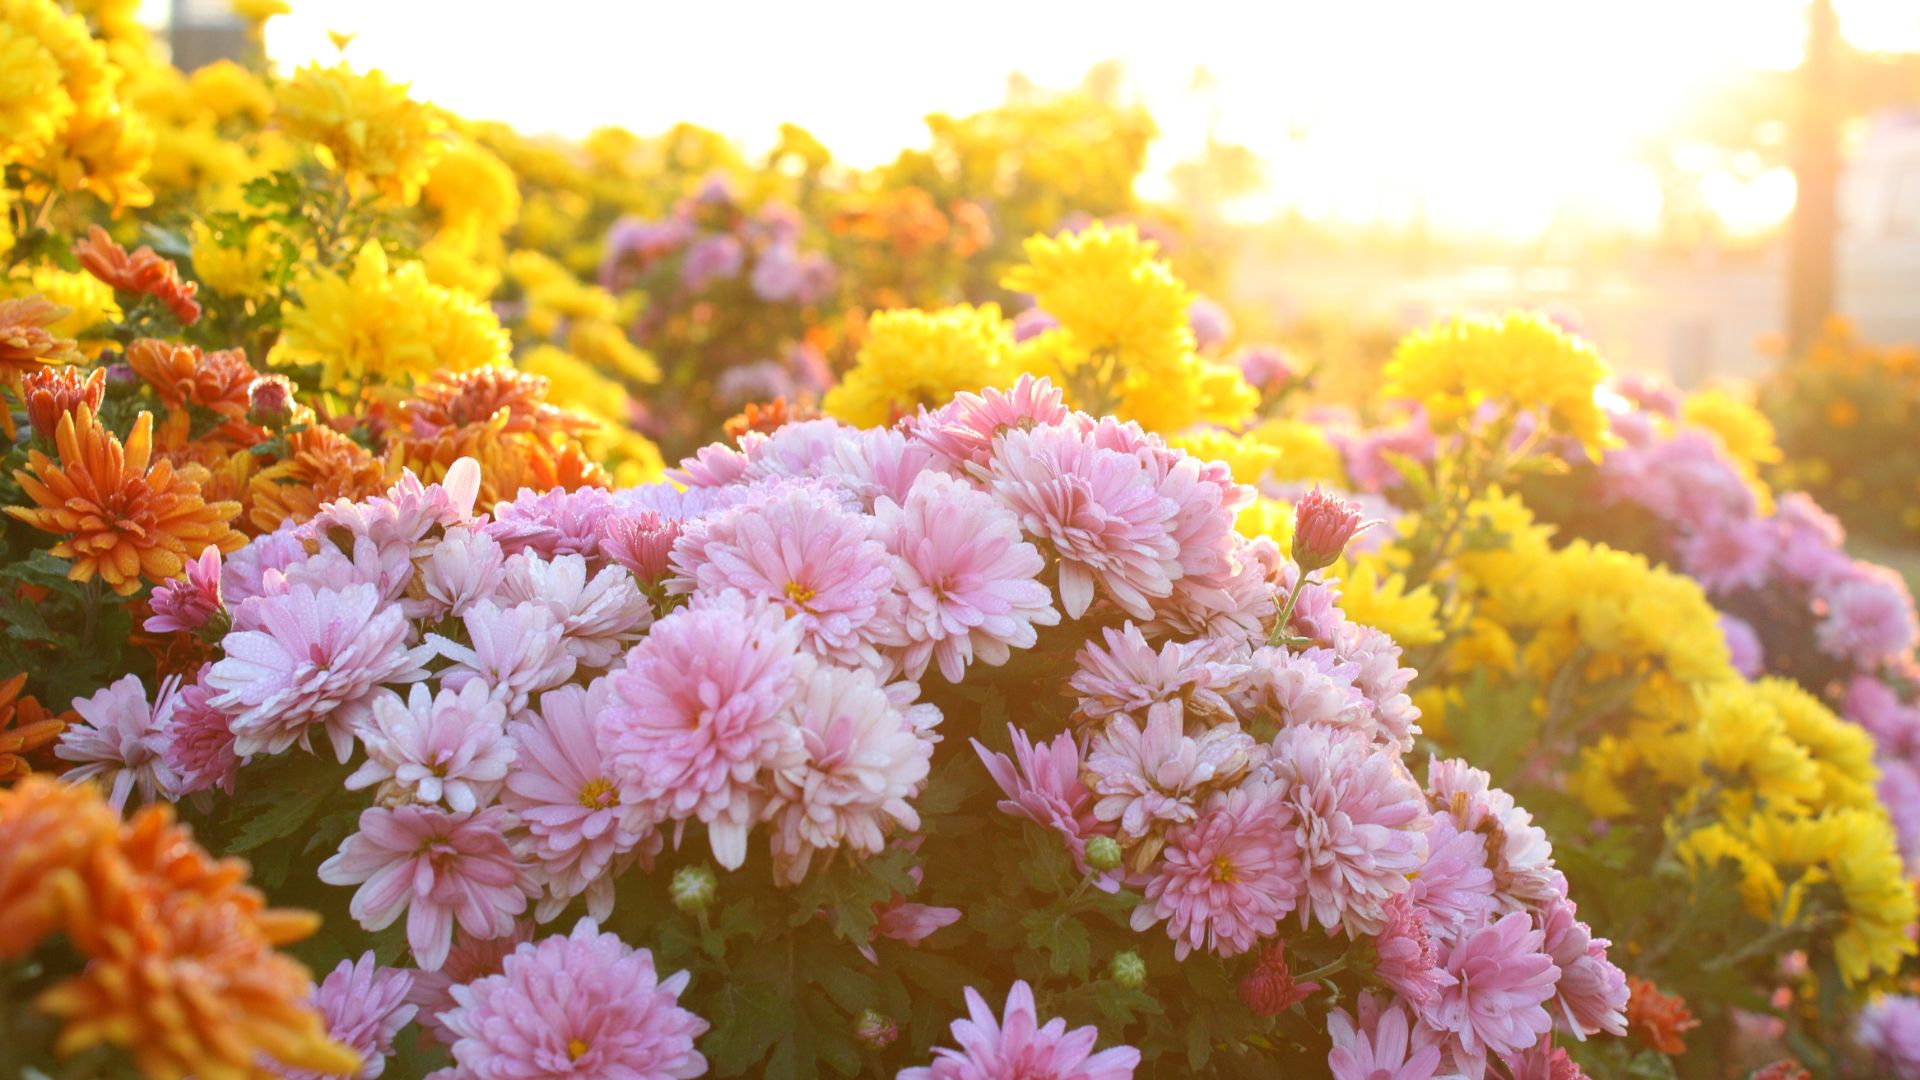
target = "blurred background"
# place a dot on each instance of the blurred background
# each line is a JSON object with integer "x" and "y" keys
{"x": 1695, "y": 184}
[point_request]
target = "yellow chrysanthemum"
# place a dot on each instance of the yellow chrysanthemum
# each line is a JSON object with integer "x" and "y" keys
{"x": 466, "y": 256}
{"x": 574, "y": 385}
{"x": 88, "y": 300}
{"x": 471, "y": 184}
{"x": 366, "y": 126}
{"x": 48, "y": 66}
{"x": 1306, "y": 454}
{"x": 1521, "y": 361}
{"x": 915, "y": 358}
{"x": 1373, "y": 596}
{"x": 259, "y": 11}
{"x": 241, "y": 269}
{"x": 1249, "y": 459}
{"x": 1760, "y": 886}
{"x": 1108, "y": 289}
{"x": 1842, "y": 751}
{"x": 229, "y": 91}
{"x": 1744, "y": 430}
{"x": 604, "y": 345}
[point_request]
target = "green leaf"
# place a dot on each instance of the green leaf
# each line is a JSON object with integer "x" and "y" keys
{"x": 281, "y": 818}
{"x": 1062, "y": 937}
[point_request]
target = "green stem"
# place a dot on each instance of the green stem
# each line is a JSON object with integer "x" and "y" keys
{"x": 1286, "y": 611}
{"x": 1332, "y": 967}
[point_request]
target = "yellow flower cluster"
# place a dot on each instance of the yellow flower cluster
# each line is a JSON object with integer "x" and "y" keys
{"x": 62, "y": 118}
{"x": 1123, "y": 344}
{"x": 365, "y": 126}
{"x": 238, "y": 265}
{"x": 915, "y": 358}
{"x": 383, "y": 323}
{"x": 1522, "y": 361}
{"x": 1744, "y": 430}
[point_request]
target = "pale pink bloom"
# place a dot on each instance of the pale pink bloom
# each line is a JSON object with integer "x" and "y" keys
{"x": 121, "y": 741}
{"x": 1502, "y": 982}
{"x": 465, "y": 567}
{"x": 699, "y": 713}
{"x": 795, "y": 450}
{"x": 801, "y": 551}
{"x": 586, "y": 1005}
{"x": 1205, "y": 501}
{"x": 1228, "y": 878}
{"x": 711, "y": 466}
{"x": 517, "y": 652}
{"x": 1361, "y": 824}
{"x": 317, "y": 660}
{"x": 553, "y": 522}
{"x": 439, "y": 868}
{"x": 962, "y": 431}
{"x": 243, "y": 572}
{"x": 1869, "y": 617}
{"x": 879, "y": 463}
{"x": 1313, "y": 686}
{"x": 1149, "y": 779}
{"x": 470, "y": 959}
{"x": 1019, "y": 1046}
{"x": 410, "y": 513}
{"x": 1744, "y": 649}
{"x": 1317, "y": 617}
{"x": 1729, "y": 555}
{"x": 451, "y": 746}
{"x": 189, "y": 603}
{"x": 365, "y": 1006}
{"x": 910, "y": 924}
{"x": 1184, "y": 679}
{"x": 361, "y": 562}
{"x": 1522, "y": 863}
{"x": 1210, "y": 323}
{"x": 1591, "y": 994}
{"x": 1545, "y": 1061}
{"x": 969, "y": 583}
{"x": 859, "y": 761}
{"x": 199, "y": 742}
{"x": 640, "y": 541}
{"x": 1408, "y": 963}
{"x": 598, "y": 615}
{"x": 1042, "y": 783}
{"x": 1888, "y": 1029}
{"x": 1455, "y": 887}
{"x": 1323, "y": 523}
{"x": 584, "y": 824}
{"x": 1097, "y": 509}
{"x": 1382, "y": 679}
{"x": 1240, "y": 606}
{"x": 1382, "y": 1046}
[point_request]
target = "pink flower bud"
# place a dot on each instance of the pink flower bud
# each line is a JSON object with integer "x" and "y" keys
{"x": 190, "y": 603}
{"x": 1269, "y": 989}
{"x": 270, "y": 401}
{"x": 875, "y": 1030}
{"x": 640, "y": 542}
{"x": 1322, "y": 525}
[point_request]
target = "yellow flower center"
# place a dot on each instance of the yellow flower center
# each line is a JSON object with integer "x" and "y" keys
{"x": 576, "y": 1049}
{"x": 1223, "y": 869}
{"x": 598, "y": 794}
{"x": 799, "y": 593}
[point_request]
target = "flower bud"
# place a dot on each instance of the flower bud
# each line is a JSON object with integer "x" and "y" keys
{"x": 121, "y": 377}
{"x": 640, "y": 542}
{"x": 693, "y": 888}
{"x": 1103, "y": 853}
{"x": 1128, "y": 970}
{"x": 1323, "y": 523}
{"x": 270, "y": 402}
{"x": 875, "y": 1030}
{"x": 52, "y": 392}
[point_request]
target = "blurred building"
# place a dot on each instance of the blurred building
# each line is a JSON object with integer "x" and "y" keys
{"x": 202, "y": 31}
{"x": 1879, "y": 250}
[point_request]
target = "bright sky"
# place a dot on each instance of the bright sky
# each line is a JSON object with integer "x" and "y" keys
{"x": 1483, "y": 114}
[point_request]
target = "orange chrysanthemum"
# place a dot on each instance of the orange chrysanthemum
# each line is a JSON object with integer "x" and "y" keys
{"x": 143, "y": 271}
{"x": 27, "y": 345}
{"x": 321, "y": 465}
{"x": 183, "y": 375}
{"x": 119, "y": 520}
{"x": 474, "y": 397}
{"x": 767, "y": 418}
{"x": 25, "y": 726}
{"x": 53, "y": 830}
{"x": 1657, "y": 1019}
{"x": 52, "y": 392}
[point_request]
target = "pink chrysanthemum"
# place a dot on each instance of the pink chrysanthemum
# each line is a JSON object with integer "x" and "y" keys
{"x": 1148, "y": 779}
{"x": 1382, "y": 679}
{"x": 1042, "y": 783}
{"x": 1744, "y": 649}
{"x": 801, "y": 551}
{"x": 1869, "y": 617}
{"x": 584, "y": 823}
{"x": 187, "y": 604}
{"x": 1362, "y": 824}
{"x": 1205, "y": 500}
{"x": 243, "y": 573}
{"x": 640, "y": 541}
{"x": 795, "y": 450}
{"x": 1591, "y": 994}
{"x": 1383, "y": 1045}
{"x": 469, "y": 960}
{"x": 361, "y": 561}
{"x": 404, "y": 521}
{"x": 969, "y": 583}
{"x": 698, "y": 713}
{"x": 365, "y": 1006}
{"x": 1018, "y": 1046}
{"x": 879, "y": 463}
{"x": 439, "y": 868}
{"x": 199, "y": 742}
{"x": 860, "y": 759}
{"x": 711, "y": 466}
{"x": 1522, "y": 860}
{"x": 1227, "y": 879}
{"x": 450, "y": 746}
{"x": 318, "y": 659}
{"x": 582, "y": 1005}
{"x": 464, "y": 568}
{"x": 599, "y": 615}
{"x": 1455, "y": 887}
{"x": 1889, "y": 1031}
{"x": 1407, "y": 962}
{"x": 1313, "y": 686}
{"x": 553, "y": 522}
{"x": 1097, "y": 509}
{"x": 1185, "y": 679}
{"x": 1729, "y": 555}
{"x": 1239, "y": 606}
{"x": 517, "y": 652}
{"x": 962, "y": 431}
{"x": 1502, "y": 982}
{"x": 120, "y": 740}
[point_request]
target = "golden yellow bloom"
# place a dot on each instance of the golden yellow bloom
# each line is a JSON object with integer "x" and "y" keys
{"x": 913, "y": 358}
{"x": 466, "y": 256}
{"x": 1373, "y": 596}
{"x": 470, "y": 184}
{"x": 259, "y": 11}
{"x": 603, "y": 344}
{"x": 386, "y": 324}
{"x": 49, "y": 68}
{"x": 1109, "y": 290}
{"x": 576, "y": 386}
{"x": 554, "y": 294}
{"x": 118, "y": 519}
{"x": 88, "y": 300}
{"x": 1521, "y": 362}
{"x": 242, "y": 268}
{"x": 366, "y": 126}
{"x": 229, "y": 91}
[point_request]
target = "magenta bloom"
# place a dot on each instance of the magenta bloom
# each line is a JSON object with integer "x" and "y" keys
{"x": 439, "y": 868}
{"x": 556, "y": 522}
{"x": 1869, "y": 618}
{"x": 582, "y": 1005}
{"x": 1323, "y": 523}
{"x": 452, "y": 745}
{"x": 121, "y": 741}
{"x": 962, "y": 431}
{"x": 1018, "y": 1046}
{"x": 1097, "y": 509}
{"x": 1408, "y": 963}
{"x": 640, "y": 542}
{"x": 1383, "y": 1045}
{"x": 188, "y": 604}
{"x": 1227, "y": 879}
{"x": 517, "y": 651}
{"x": 1127, "y": 676}
{"x": 1502, "y": 982}
{"x": 802, "y": 551}
{"x": 1042, "y": 783}
{"x": 317, "y": 660}
{"x": 711, "y": 259}
{"x": 1591, "y": 995}
{"x": 1729, "y": 555}
{"x": 698, "y": 711}
{"x": 969, "y": 581}
{"x": 584, "y": 823}
{"x": 1889, "y": 1031}
{"x": 199, "y": 743}
{"x": 365, "y": 1006}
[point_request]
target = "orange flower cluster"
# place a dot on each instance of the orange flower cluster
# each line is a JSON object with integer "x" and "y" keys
{"x": 319, "y": 466}
{"x": 500, "y": 418}
{"x": 26, "y": 726}
{"x": 767, "y": 418}
{"x": 52, "y": 392}
{"x": 182, "y": 970}
{"x": 27, "y": 345}
{"x": 143, "y": 271}
{"x": 182, "y": 375}
{"x": 119, "y": 519}
{"x": 1657, "y": 1019}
